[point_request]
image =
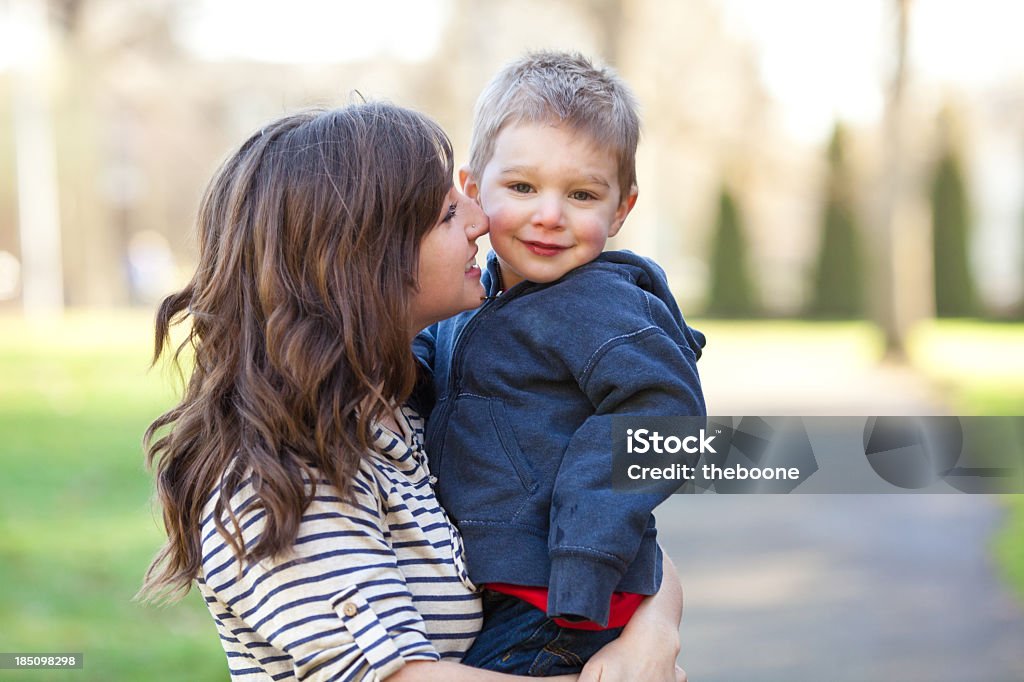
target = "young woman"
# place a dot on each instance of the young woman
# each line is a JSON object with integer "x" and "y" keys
{"x": 294, "y": 488}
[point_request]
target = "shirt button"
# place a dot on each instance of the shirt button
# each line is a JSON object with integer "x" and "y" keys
{"x": 433, "y": 480}
{"x": 349, "y": 609}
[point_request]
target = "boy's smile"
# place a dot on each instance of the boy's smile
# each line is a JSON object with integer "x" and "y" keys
{"x": 552, "y": 196}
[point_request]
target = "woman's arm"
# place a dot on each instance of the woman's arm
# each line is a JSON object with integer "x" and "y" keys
{"x": 649, "y": 644}
{"x": 646, "y": 650}
{"x": 443, "y": 671}
{"x": 337, "y": 604}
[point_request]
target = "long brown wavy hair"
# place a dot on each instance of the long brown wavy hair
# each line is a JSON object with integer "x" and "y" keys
{"x": 298, "y": 319}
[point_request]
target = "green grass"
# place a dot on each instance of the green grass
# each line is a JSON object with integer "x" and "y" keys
{"x": 982, "y": 367}
{"x": 980, "y": 364}
{"x": 1009, "y": 544}
{"x": 78, "y": 527}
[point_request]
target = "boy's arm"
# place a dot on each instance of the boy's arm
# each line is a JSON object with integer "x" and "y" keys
{"x": 596, "y": 531}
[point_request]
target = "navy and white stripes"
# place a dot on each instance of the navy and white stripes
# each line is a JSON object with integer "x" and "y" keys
{"x": 370, "y": 585}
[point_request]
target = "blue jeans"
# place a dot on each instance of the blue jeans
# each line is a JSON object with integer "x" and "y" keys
{"x": 519, "y": 639}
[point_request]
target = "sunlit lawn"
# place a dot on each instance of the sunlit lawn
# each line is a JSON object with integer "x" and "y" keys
{"x": 982, "y": 364}
{"x": 77, "y": 527}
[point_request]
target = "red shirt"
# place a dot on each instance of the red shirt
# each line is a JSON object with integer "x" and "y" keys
{"x": 623, "y": 606}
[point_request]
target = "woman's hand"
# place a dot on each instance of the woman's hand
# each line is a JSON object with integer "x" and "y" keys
{"x": 603, "y": 674}
{"x": 649, "y": 658}
{"x": 649, "y": 644}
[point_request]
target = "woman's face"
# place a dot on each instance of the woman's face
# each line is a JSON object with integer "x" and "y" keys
{"x": 449, "y": 278}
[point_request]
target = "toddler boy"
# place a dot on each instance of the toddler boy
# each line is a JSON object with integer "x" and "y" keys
{"x": 526, "y": 385}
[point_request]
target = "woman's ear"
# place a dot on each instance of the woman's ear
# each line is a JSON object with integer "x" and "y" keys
{"x": 470, "y": 187}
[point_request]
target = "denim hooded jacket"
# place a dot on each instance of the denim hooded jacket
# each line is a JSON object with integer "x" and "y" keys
{"x": 520, "y": 434}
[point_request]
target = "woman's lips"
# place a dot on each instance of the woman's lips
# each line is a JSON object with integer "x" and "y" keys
{"x": 542, "y": 249}
{"x": 472, "y": 269}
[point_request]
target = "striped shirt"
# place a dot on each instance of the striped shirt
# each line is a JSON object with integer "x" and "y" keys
{"x": 370, "y": 585}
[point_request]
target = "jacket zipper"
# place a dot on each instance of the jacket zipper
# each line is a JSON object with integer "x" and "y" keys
{"x": 455, "y": 366}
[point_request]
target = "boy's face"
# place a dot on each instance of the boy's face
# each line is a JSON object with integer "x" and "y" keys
{"x": 553, "y": 200}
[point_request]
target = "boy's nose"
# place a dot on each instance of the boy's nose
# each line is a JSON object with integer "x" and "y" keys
{"x": 548, "y": 213}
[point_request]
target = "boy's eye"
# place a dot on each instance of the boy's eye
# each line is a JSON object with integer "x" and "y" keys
{"x": 520, "y": 187}
{"x": 581, "y": 195}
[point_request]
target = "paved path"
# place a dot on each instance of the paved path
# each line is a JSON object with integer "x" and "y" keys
{"x": 836, "y": 588}
{"x": 841, "y": 587}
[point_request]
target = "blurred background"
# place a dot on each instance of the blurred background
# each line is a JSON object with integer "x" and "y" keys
{"x": 836, "y": 190}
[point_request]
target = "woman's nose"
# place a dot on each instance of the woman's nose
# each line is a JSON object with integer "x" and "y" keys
{"x": 478, "y": 227}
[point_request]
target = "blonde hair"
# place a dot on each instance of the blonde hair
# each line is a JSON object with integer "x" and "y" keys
{"x": 561, "y": 88}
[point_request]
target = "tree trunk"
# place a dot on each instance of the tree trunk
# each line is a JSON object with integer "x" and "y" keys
{"x": 38, "y": 202}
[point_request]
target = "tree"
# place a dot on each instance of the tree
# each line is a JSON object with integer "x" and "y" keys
{"x": 731, "y": 292}
{"x": 838, "y": 284}
{"x": 888, "y": 299}
{"x": 1020, "y": 261}
{"x": 954, "y": 289}
{"x": 35, "y": 153}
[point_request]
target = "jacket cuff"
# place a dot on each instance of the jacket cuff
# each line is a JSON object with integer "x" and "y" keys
{"x": 581, "y": 587}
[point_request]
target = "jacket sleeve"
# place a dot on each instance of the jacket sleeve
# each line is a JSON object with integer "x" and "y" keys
{"x": 424, "y": 348}
{"x": 595, "y": 532}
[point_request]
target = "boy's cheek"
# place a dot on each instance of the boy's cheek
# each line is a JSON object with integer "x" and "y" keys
{"x": 493, "y": 209}
{"x": 500, "y": 220}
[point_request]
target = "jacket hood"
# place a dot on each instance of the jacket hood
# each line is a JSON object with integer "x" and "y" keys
{"x": 644, "y": 272}
{"x": 649, "y": 276}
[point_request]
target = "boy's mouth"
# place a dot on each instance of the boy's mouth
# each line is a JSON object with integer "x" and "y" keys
{"x": 543, "y": 248}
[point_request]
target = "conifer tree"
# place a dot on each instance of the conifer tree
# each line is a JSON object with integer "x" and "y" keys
{"x": 954, "y": 289}
{"x": 731, "y": 293}
{"x": 838, "y": 284}
{"x": 1020, "y": 262}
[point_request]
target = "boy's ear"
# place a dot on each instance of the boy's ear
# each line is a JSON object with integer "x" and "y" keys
{"x": 470, "y": 187}
{"x": 625, "y": 206}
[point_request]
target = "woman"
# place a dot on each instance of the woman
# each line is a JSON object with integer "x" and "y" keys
{"x": 294, "y": 488}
